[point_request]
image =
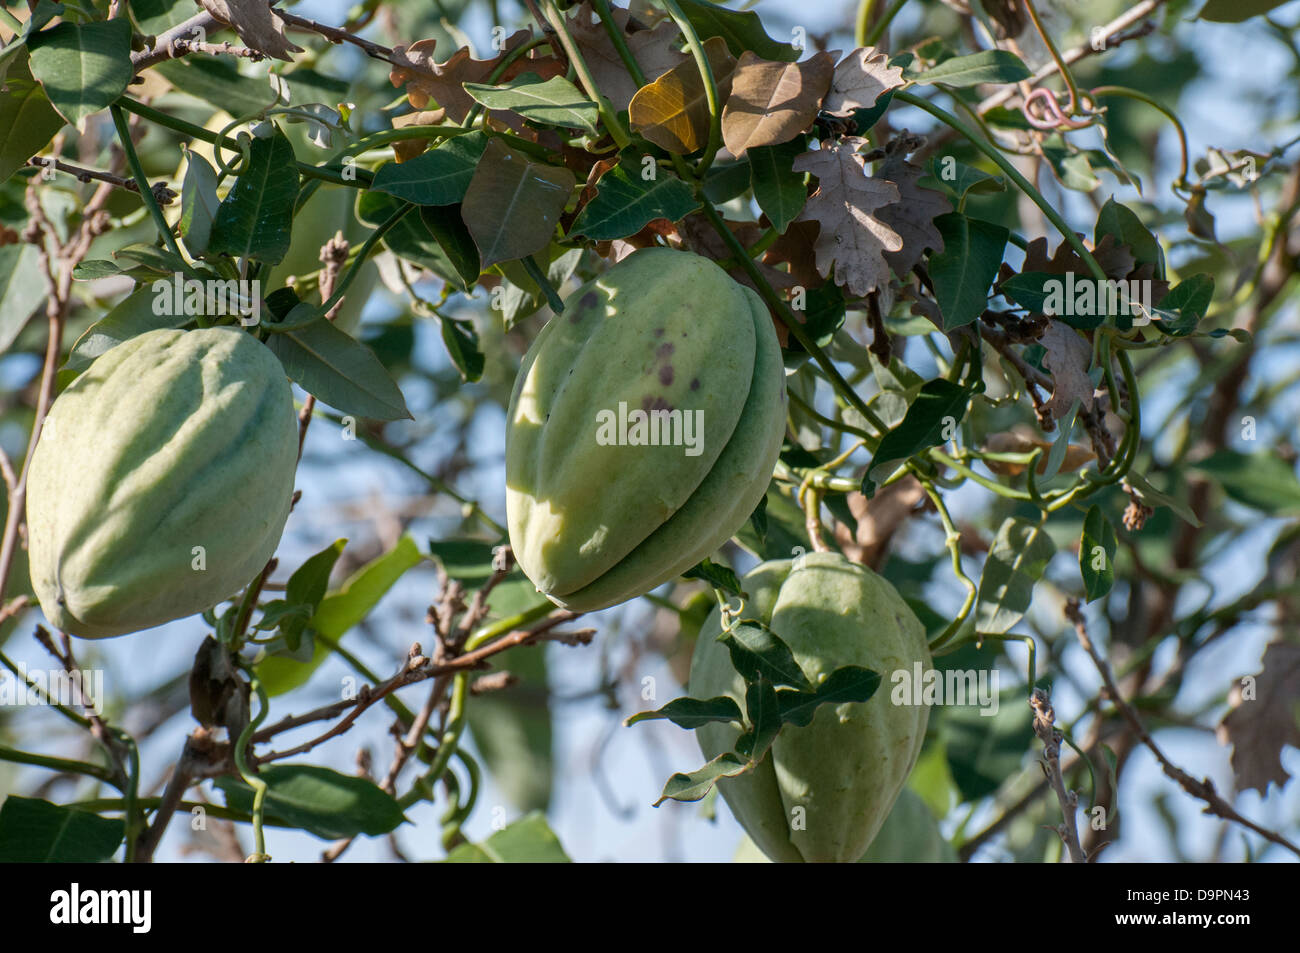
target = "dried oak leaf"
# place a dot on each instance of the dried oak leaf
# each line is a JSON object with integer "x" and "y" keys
{"x": 796, "y": 247}
{"x": 1259, "y": 728}
{"x": 860, "y": 79}
{"x": 256, "y": 23}
{"x": 673, "y": 111}
{"x": 426, "y": 79}
{"x": 851, "y": 239}
{"x": 407, "y": 149}
{"x": 699, "y": 235}
{"x": 773, "y": 102}
{"x": 1068, "y": 356}
{"x": 912, "y": 216}
{"x": 654, "y": 49}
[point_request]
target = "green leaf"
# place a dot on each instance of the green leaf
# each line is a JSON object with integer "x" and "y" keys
{"x": 726, "y": 180}
{"x": 848, "y": 683}
{"x": 625, "y": 203}
{"x": 133, "y": 315}
{"x": 466, "y": 560}
{"x": 1149, "y": 495}
{"x": 307, "y": 587}
{"x": 984, "y": 750}
{"x": 1236, "y": 11}
{"x": 412, "y": 239}
{"x": 987, "y": 66}
{"x": 963, "y": 271}
{"x": 1121, "y": 222}
{"x": 27, "y": 120}
{"x": 528, "y": 840}
{"x": 437, "y": 177}
{"x": 33, "y": 831}
{"x": 199, "y": 203}
{"x": 217, "y": 81}
{"x": 778, "y": 189}
{"x": 758, "y": 652}
{"x": 512, "y": 729}
{"x": 1261, "y": 480}
{"x": 82, "y": 67}
{"x": 764, "y": 715}
{"x": 1190, "y": 298}
{"x": 323, "y": 802}
{"x": 513, "y": 203}
{"x": 338, "y": 370}
{"x": 959, "y": 179}
{"x": 461, "y": 342}
{"x": 255, "y": 219}
{"x": 554, "y": 102}
{"x": 1097, "y": 554}
{"x": 937, "y": 409}
{"x": 339, "y": 612}
{"x": 21, "y": 290}
{"x": 741, "y": 31}
{"x": 45, "y": 12}
{"x": 698, "y": 783}
{"x": 1017, "y": 559}
{"x": 691, "y": 713}
{"x": 716, "y": 575}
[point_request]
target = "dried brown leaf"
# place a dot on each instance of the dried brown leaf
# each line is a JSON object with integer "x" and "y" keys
{"x": 426, "y": 79}
{"x": 655, "y": 51}
{"x": 256, "y": 23}
{"x": 407, "y": 149}
{"x": 773, "y": 102}
{"x": 1259, "y": 727}
{"x": 673, "y": 111}
{"x": 851, "y": 239}
{"x": 912, "y": 216}
{"x": 1068, "y": 356}
{"x": 860, "y": 79}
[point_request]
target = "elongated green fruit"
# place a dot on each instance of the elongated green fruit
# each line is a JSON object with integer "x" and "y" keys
{"x": 600, "y": 511}
{"x": 823, "y": 791}
{"x": 162, "y": 481}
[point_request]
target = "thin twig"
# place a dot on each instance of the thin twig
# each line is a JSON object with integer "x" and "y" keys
{"x": 1047, "y": 732}
{"x": 1204, "y": 789}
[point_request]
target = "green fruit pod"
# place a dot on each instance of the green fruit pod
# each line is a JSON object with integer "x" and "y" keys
{"x": 823, "y": 791}
{"x": 643, "y": 429}
{"x": 161, "y": 482}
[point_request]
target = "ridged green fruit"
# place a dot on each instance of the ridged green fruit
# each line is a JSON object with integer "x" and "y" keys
{"x": 844, "y": 770}
{"x": 170, "y": 441}
{"x": 597, "y": 518}
{"x": 909, "y": 835}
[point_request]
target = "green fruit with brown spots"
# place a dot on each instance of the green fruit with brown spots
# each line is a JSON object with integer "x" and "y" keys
{"x": 161, "y": 482}
{"x": 823, "y": 791}
{"x": 643, "y": 429}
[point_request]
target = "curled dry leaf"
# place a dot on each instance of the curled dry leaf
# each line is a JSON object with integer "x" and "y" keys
{"x": 1068, "y": 356}
{"x": 410, "y": 148}
{"x": 654, "y": 49}
{"x": 860, "y": 79}
{"x": 1264, "y": 720}
{"x": 773, "y": 102}
{"x": 851, "y": 239}
{"x": 426, "y": 79}
{"x": 256, "y": 23}
{"x": 673, "y": 111}
{"x": 913, "y": 215}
